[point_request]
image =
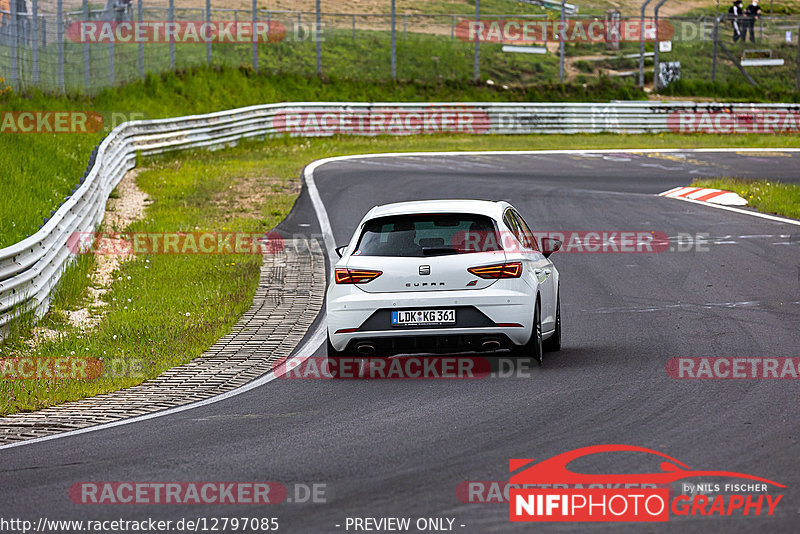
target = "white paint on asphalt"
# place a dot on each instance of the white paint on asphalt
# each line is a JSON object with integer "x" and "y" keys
{"x": 705, "y": 194}
{"x": 316, "y": 164}
{"x": 745, "y": 212}
{"x": 688, "y": 306}
{"x": 319, "y": 208}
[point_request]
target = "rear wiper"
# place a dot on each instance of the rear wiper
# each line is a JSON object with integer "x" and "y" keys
{"x": 438, "y": 251}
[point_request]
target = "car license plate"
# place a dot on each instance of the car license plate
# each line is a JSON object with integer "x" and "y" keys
{"x": 423, "y": 317}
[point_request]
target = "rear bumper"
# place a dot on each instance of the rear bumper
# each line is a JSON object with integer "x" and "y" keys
{"x": 434, "y": 343}
{"x": 355, "y": 316}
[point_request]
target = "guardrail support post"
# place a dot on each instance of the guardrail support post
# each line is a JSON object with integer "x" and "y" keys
{"x": 35, "y": 42}
{"x": 13, "y": 38}
{"x": 171, "y": 18}
{"x": 641, "y": 43}
{"x": 394, "y": 44}
{"x": 111, "y": 61}
{"x": 561, "y": 45}
{"x": 208, "y": 42}
{"x": 139, "y": 15}
{"x": 317, "y": 37}
{"x": 797, "y": 75}
{"x": 253, "y": 19}
{"x": 117, "y": 16}
{"x": 545, "y": 33}
{"x": 87, "y": 75}
{"x": 655, "y": 46}
{"x": 760, "y": 31}
{"x": 476, "y": 73}
{"x": 714, "y": 56}
{"x": 60, "y": 38}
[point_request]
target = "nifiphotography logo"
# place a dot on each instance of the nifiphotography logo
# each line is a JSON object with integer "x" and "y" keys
{"x": 548, "y": 491}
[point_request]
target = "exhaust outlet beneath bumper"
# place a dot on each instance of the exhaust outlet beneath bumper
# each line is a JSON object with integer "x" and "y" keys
{"x": 490, "y": 344}
{"x": 365, "y": 349}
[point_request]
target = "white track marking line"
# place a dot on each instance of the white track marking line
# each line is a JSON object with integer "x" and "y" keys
{"x": 319, "y": 206}
{"x": 323, "y": 161}
{"x": 705, "y": 194}
{"x": 739, "y": 210}
{"x": 329, "y": 235}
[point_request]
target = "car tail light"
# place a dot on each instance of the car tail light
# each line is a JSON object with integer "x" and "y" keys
{"x": 346, "y": 331}
{"x": 355, "y": 276}
{"x": 501, "y": 270}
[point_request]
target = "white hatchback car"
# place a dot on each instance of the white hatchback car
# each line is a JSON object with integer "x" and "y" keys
{"x": 444, "y": 276}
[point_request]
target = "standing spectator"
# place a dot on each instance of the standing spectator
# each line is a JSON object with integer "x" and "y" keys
{"x": 116, "y": 10}
{"x": 735, "y": 16}
{"x": 5, "y": 12}
{"x": 121, "y": 9}
{"x": 751, "y": 15}
{"x": 23, "y": 19}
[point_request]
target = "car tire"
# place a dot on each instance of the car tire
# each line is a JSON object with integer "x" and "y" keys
{"x": 533, "y": 348}
{"x": 333, "y": 353}
{"x": 334, "y": 357}
{"x": 553, "y": 343}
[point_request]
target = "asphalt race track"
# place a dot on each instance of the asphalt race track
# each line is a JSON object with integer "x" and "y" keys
{"x": 400, "y": 448}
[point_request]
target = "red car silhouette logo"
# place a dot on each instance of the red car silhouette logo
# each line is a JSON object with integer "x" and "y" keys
{"x": 555, "y": 471}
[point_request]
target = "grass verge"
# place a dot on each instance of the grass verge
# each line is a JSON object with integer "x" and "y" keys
{"x": 161, "y": 310}
{"x": 41, "y": 170}
{"x": 767, "y": 196}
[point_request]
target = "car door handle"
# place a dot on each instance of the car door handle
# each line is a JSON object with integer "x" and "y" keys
{"x": 537, "y": 272}
{"x": 547, "y": 272}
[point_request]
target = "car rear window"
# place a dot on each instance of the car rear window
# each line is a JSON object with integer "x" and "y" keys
{"x": 428, "y": 235}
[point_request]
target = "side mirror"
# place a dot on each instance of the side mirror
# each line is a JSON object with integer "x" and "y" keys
{"x": 550, "y": 245}
{"x": 340, "y": 250}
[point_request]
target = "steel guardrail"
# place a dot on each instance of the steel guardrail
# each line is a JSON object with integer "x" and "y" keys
{"x": 31, "y": 268}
